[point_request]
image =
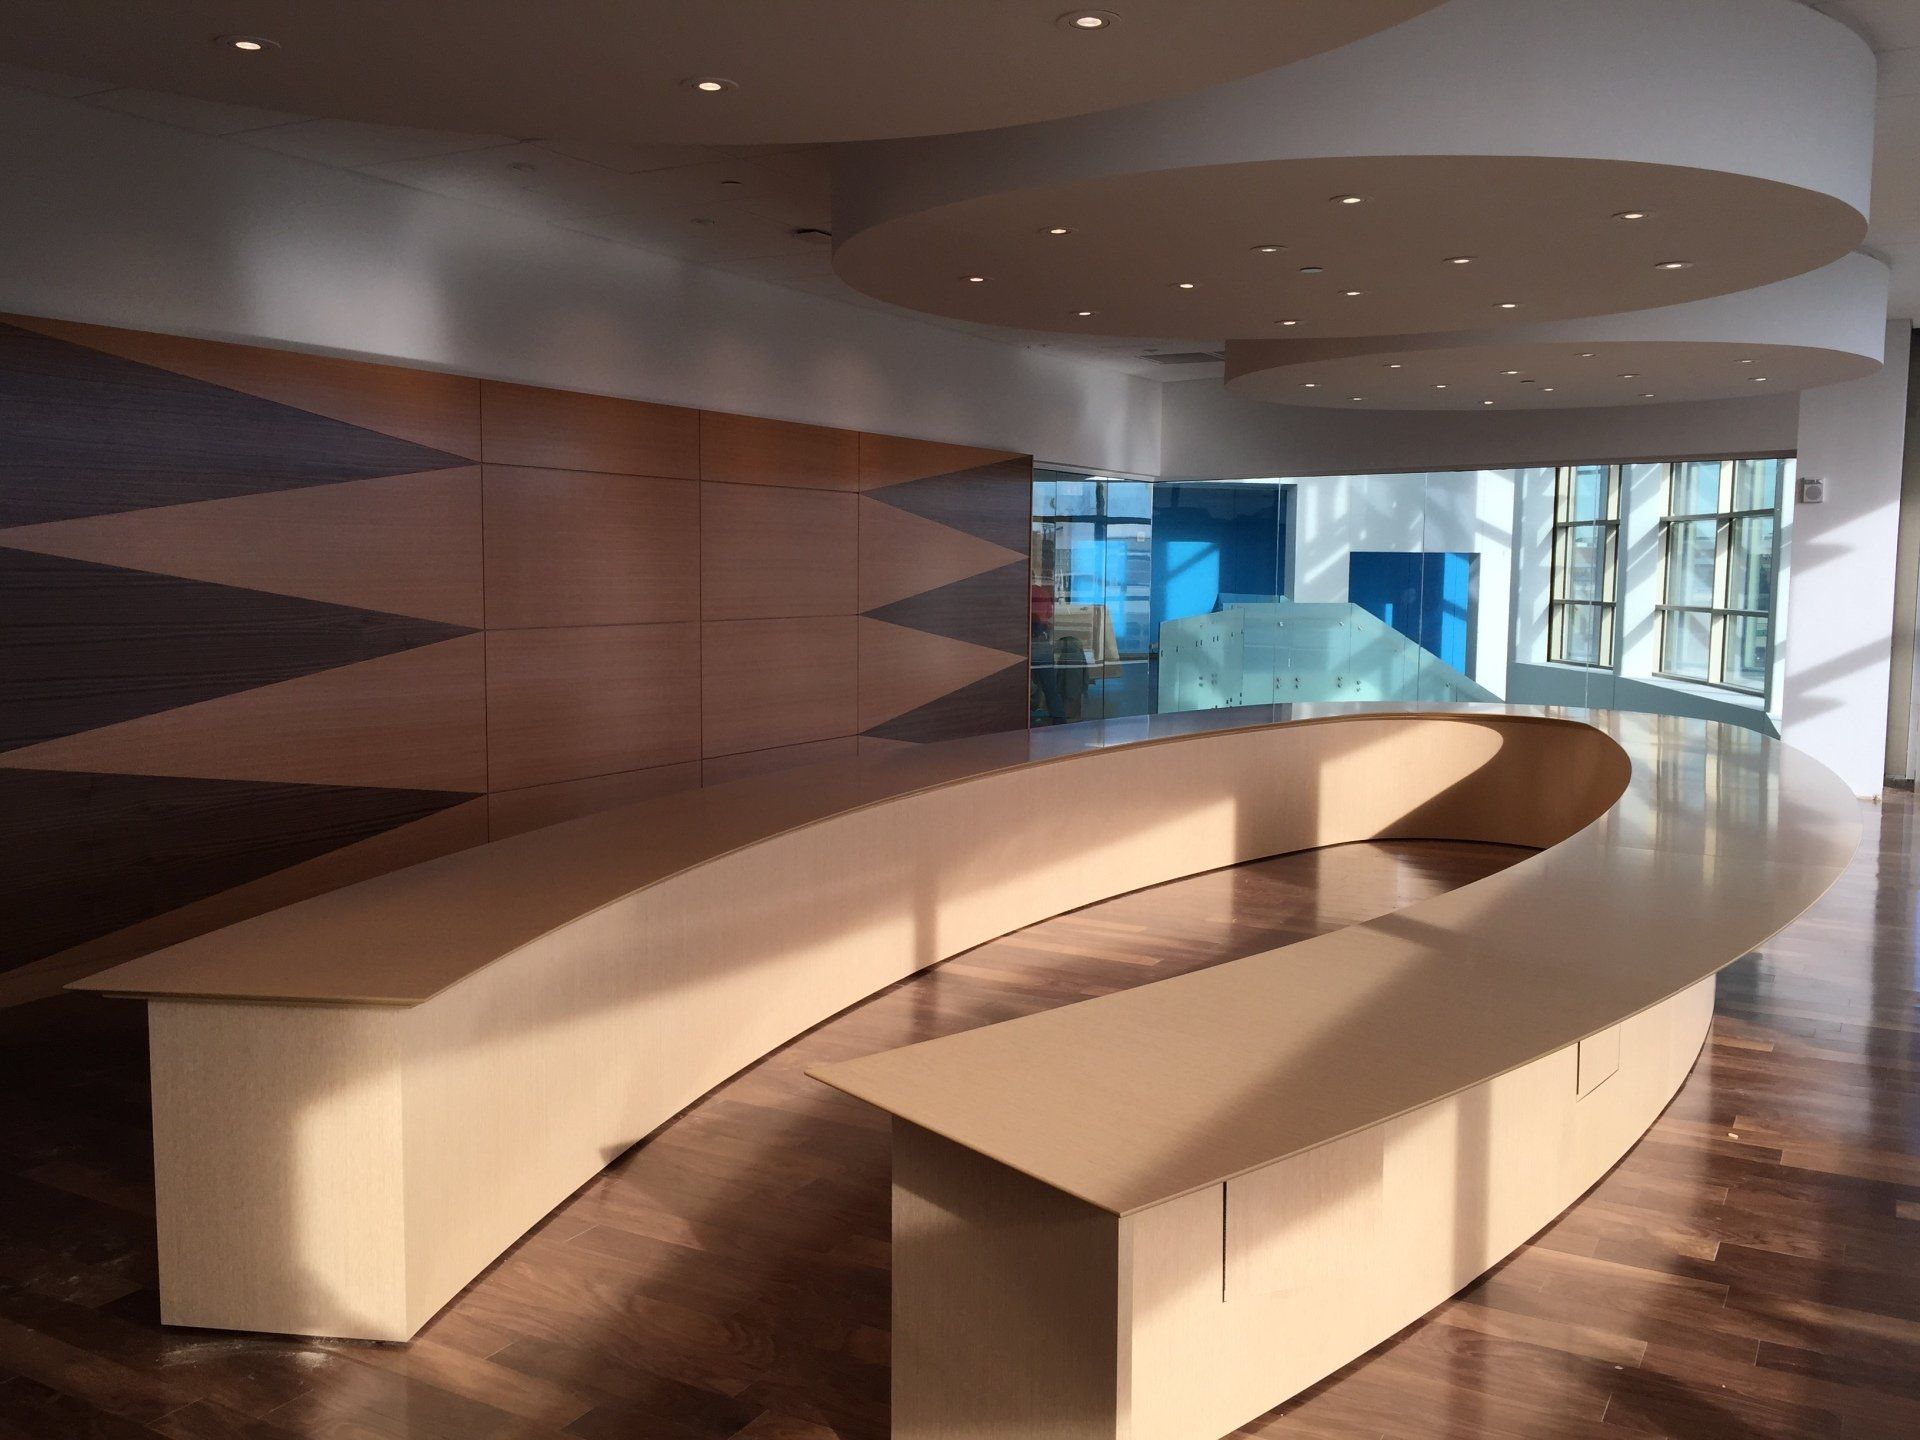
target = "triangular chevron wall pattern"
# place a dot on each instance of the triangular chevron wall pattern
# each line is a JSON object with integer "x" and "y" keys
{"x": 274, "y": 622}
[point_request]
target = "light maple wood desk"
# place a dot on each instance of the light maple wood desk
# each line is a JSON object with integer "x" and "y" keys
{"x": 363, "y": 1099}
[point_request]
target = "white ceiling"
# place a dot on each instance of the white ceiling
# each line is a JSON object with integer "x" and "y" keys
{"x": 782, "y": 70}
{"x": 735, "y": 207}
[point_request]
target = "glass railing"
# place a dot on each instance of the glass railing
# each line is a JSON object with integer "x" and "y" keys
{"x": 1288, "y": 651}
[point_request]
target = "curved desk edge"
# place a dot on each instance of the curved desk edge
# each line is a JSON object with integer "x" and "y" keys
{"x": 327, "y": 1164}
{"x": 404, "y": 937}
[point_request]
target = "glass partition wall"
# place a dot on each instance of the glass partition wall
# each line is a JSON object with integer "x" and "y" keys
{"x": 1638, "y": 586}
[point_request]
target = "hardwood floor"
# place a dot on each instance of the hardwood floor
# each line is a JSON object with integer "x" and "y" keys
{"x": 1752, "y": 1269}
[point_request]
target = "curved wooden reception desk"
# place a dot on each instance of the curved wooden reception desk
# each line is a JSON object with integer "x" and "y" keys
{"x": 1156, "y": 1213}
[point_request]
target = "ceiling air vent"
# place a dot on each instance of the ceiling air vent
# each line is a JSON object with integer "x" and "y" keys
{"x": 1185, "y": 357}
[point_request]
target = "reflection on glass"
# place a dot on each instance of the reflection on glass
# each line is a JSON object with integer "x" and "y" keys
{"x": 1750, "y": 573}
{"x": 1690, "y": 562}
{"x": 1756, "y": 484}
{"x": 1580, "y": 640}
{"x": 1686, "y": 643}
{"x": 1696, "y": 488}
{"x": 1584, "y": 575}
{"x": 1746, "y": 658}
{"x": 1588, "y": 498}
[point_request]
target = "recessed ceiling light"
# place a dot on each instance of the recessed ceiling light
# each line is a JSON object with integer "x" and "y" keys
{"x": 246, "y": 44}
{"x": 1486, "y": 402}
{"x": 1184, "y": 285}
{"x": 1356, "y": 397}
{"x": 1268, "y": 249}
{"x": 1646, "y": 395}
{"x": 1509, "y": 304}
{"x": 1459, "y": 259}
{"x": 1311, "y": 269}
{"x": 1674, "y": 265}
{"x": 1311, "y": 385}
{"x": 1287, "y": 322}
{"x": 975, "y": 279}
{"x": 1630, "y": 215}
{"x": 1588, "y": 354}
{"x": 1546, "y": 389}
{"x": 1351, "y": 294}
{"x": 1058, "y": 230}
{"x": 1749, "y": 360}
{"x": 1441, "y": 386}
{"x": 1087, "y": 19}
{"x": 1509, "y": 372}
{"x": 710, "y": 84}
{"x": 1394, "y": 365}
{"x": 1083, "y": 314}
{"x": 1759, "y": 379}
{"x": 1346, "y": 199}
{"x": 1630, "y": 375}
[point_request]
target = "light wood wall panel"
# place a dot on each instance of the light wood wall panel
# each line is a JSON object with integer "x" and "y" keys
{"x": 767, "y": 683}
{"x": 241, "y": 591}
{"x": 572, "y": 703}
{"x": 744, "y": 450}
{"x": 561, "y": 430}
{"x": 413, "y": 720}
{"x": 403, "y": 545}
{"x": 767, "y": 552}
{"x": 896, "y": 459}
{"x": 571, "y": 547}
{"x": 426, "y": 407}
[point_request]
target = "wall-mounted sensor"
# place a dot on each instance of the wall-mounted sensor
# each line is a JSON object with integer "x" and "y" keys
{"x": 1813, "y": 490}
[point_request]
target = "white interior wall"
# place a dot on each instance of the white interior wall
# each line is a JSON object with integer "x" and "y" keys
{"x": 1468, "y": 511}
{"x": 1208, "y": 432}
{"x": 1839, "y": 630}
{"x": 122, "y": 221}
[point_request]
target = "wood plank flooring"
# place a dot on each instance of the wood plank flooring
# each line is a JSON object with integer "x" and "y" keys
{"x": 1752, "y": 1269}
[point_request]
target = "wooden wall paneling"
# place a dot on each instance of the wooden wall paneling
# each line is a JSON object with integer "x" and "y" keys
{"x": 767, "y": 552}
{"x": 512, "y": 812}
{"x": 571, "y": 703}
{"x": 903, "y": 554}
{"x": 89, "y": 433}
{"x": 902, "y": 670}
{"x": 426, "y": 407}
{"x": 84, "y": 645}
{"x": 767, "y": 683}
{"x": 413, "y": 720}
{"x": 442, "y": 832}
{"x": 721, "y": 769}
{"x": 569, "y": 547}
{"x": 990, "y": 609}
{"x": 562, "y": 430}
{"x": 745, "y": 450}
{"x": 403, "y": 544}
{"x": 83, "y": 854}
{"x": 993, "y": 502}
{"x": 895, "y": 459}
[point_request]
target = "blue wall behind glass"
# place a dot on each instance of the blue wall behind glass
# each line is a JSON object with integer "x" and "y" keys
{"x": 1428, "y": 597}
{"x": 1214, "y": 540}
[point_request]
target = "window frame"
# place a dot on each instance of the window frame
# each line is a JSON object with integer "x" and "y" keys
{"x": 1559, "y": 550}
{"x": 1720, "y": 613}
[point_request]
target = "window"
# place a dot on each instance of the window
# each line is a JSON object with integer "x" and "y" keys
{"x": 1586, "y": 543}
{"x": 1716, "y": 611}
